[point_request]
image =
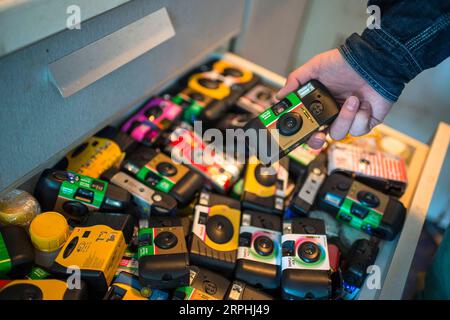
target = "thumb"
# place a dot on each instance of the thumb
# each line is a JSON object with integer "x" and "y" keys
{"x": 297, "y": 78}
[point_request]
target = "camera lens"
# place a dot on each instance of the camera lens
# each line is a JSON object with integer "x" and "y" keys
{"x": 22, "y": 291}
{"x": 166, "y": 240}
{"x": 264, "y": 246}
{"x": 368, "y": 199}
{"x": 209, "y": 83}
{"x": 219, "y": 229}
{"x": 265, "y": 176}
{"x": 289, "y": 124}
{"x": 316, "y": 108}
{"x": 309, "y": 252}
{"x": 197, "y": 96}
{"x": 154, "y": 112}
{"x": 166, "y": 169}
{"x": 233, "y": 72}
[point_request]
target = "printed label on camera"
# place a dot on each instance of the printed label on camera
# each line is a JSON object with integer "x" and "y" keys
{"x": 260, "y": 245}
{"x": 81, "y": 188}
{"x": 99, "y": 154}
{"x": 304, "y": 251}
{"x": 167, "y": 240}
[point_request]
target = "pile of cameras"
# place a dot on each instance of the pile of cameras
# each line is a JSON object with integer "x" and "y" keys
{"x": 289, "y": 229}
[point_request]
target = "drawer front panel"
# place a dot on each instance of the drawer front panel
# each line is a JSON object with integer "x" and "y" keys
{"x": 38, "y": 124}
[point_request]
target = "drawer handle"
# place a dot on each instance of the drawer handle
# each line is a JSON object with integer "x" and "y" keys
{"x": 83, "y": 67}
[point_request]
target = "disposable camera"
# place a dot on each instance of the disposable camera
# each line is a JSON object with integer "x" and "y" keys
{"x": 215, "y": 232}
{"x": 203, "y": 285}
{"x": 157, "y": 115}
{"x": 305, "y": 264}
{"x": 158, "y": 171}
{"x": 76, "y": 196}
{"x": 265, "y": 186}
{"x": 258, "y": 99}
{"x": 222, "y": 81}
{"x": 361, "y": 206}
{"x": 148, "y": 201}
{"x": 98, "y": 153}
{"x": 162, "y": 253}
{"x": 291, "y": 122}
{"x": 308, "y": 187}
{"x": 259, "y": 252}
{"x": 104, "y": 236}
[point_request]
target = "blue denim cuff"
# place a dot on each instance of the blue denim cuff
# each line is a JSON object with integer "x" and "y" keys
{"x": 382, "y": 61}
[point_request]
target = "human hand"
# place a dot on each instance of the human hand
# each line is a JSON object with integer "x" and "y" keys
{"x": 362, "y": 108}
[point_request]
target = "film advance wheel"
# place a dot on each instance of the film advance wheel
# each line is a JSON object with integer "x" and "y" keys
{"x": 219, "y": 229}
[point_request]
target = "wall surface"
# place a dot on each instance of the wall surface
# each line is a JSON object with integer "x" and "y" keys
{"x": 270, "y": 31}
{"x": 425, "y": 101}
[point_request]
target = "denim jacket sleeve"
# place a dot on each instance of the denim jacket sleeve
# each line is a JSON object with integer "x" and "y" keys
{"x": 414, "y": 36}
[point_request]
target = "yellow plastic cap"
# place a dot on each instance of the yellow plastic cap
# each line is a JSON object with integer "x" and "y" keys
{"x": 49, "y": 231}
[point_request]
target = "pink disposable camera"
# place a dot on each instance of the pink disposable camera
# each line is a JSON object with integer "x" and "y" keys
{"x": 155, "y": 117}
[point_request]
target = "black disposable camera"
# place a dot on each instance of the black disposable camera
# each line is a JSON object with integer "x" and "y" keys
{"x": 305, "y": 264}
{"x": 17, "y": 252}
{"x": 203, "y": 285}
{"x": 160, "y": 172}
{"x": 291, "y": 122}
{"x": 126, "y": 286}
{"x": 361, "y": 206}
{"x": 162, "y": 253}
{"x": 259, "y": 252}
{"x": 308, "y": 187}
{"x": 76, "y": 196}
{"x": 265, "y": 186}
{"x": 148, "y": 201}
{"x": 361, "y": 255}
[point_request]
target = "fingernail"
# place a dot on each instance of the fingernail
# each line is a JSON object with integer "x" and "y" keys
{"x": 277, "y": 95}
{"x": 352, "y": 103}
{"x": 316, "y": 143}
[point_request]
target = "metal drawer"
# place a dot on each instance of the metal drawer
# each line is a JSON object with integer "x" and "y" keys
{"x": 39, "y": 126}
